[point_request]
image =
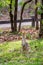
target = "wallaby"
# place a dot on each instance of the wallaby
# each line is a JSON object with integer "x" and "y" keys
{"x": 25, "y": 46}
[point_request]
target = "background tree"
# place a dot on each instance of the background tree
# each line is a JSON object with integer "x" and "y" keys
{"x": 22, "y": 12}
{"x": 12, "y": 5}
{"x": 36, "y": 15}
{"x": 41, "y": 22}
{"x": 11, "y": 16}
{"x": 15, "y": 15}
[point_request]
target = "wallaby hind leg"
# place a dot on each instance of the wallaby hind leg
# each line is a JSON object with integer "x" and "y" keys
{"x": 25, "y": 48}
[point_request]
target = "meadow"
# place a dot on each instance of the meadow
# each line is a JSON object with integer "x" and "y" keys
{"x": 11, "y": 54}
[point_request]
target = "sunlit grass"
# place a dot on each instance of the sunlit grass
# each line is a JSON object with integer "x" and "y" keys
{"x": 10, "y": 53}
{"x": 9, "y": 46}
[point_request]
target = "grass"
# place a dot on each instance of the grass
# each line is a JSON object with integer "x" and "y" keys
{"x": 10, "y": 53}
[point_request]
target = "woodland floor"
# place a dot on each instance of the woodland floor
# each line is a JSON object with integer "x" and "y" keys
{"x": 6, "y": 35}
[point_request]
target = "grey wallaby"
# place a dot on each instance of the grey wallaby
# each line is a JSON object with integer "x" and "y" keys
{"x": 25, "y": 45}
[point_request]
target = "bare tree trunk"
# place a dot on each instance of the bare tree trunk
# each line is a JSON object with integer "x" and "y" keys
{"x": 36, "y": 16}
{"x": 15, "y": 15}
{"x": 22, "y": 12}
{"x": 11, "y": 16}
{"x": 33, "y": 21}
{"x": 41, "y": 24}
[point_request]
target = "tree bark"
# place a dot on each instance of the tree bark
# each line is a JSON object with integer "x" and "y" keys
{"x": 11, "y": 16}
{"x": 33, "y": 21}
{"x": 15, "y": 15}
{"x": 41, "y": 23}
{"x": 22, "y": 12}
{"x": 36, "y": 16}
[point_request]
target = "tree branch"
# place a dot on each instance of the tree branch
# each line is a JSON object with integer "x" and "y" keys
{"x": 22, "y": 12}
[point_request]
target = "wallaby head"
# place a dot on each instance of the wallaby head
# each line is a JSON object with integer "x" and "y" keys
{"x": 23, "y": 33}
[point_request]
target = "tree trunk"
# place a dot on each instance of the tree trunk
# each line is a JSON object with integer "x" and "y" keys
{"x": 33, "y": 21}
{"x": 36, "y": 16}
{"x": 11, "y": 16}
{"x": 22, "y": 12}
{"x": 41, "y": 24}
{"x": 15, "y": 15}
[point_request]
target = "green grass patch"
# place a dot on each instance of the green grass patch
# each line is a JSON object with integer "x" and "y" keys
{"x": 10, "y": 53}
